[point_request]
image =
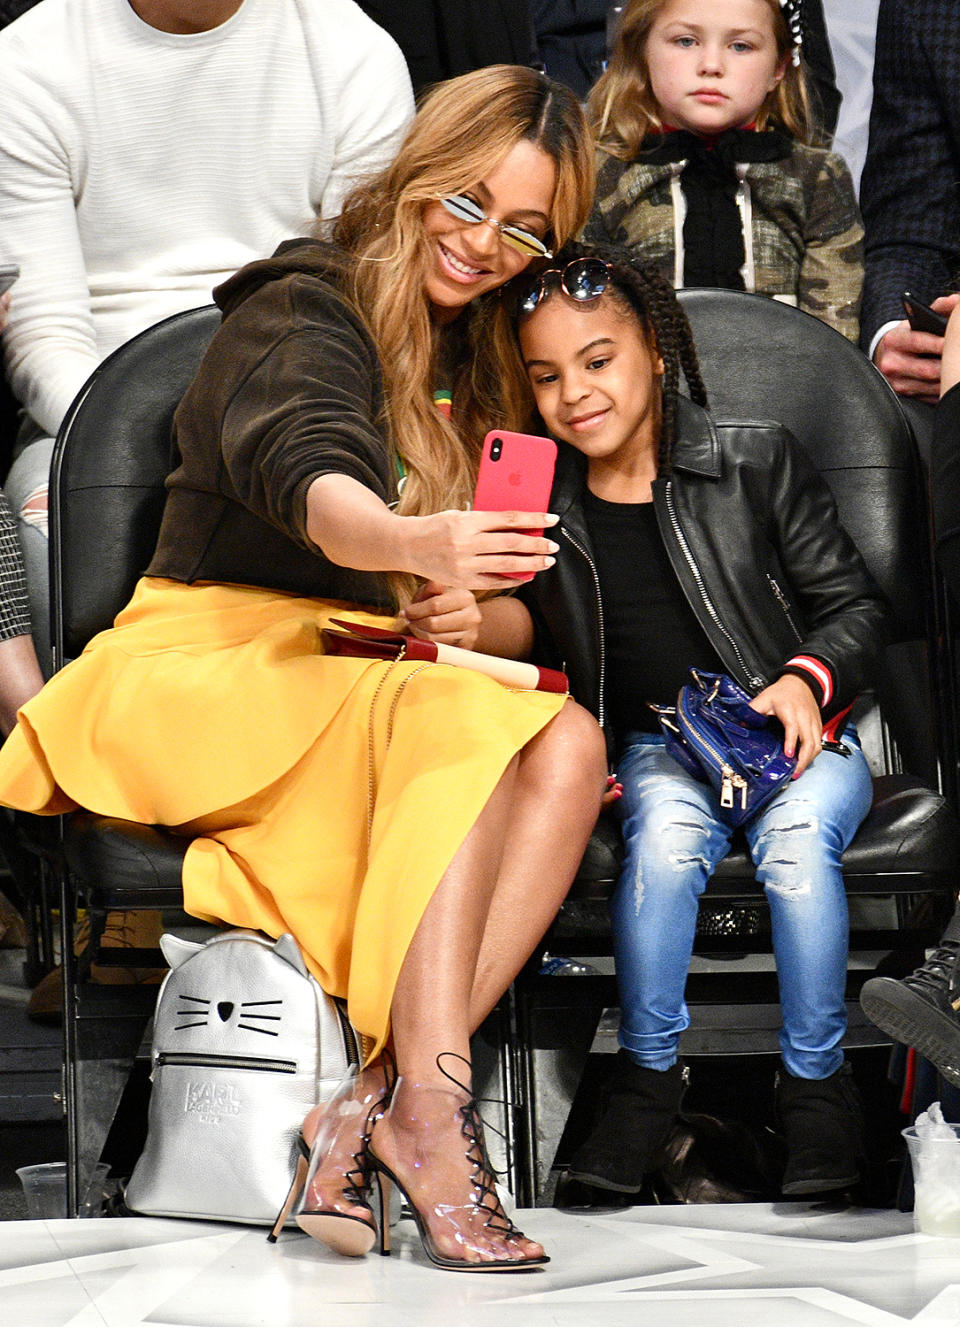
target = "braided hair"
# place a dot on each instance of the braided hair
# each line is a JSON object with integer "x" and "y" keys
{"x": 640, "y": 289}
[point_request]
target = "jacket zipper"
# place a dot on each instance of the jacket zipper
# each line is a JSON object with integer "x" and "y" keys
{"x": 257, "y": 1063}
{"x": 599, "y": 602}
{"x": 781, "y": 600}
{"x": 702, "y": 589}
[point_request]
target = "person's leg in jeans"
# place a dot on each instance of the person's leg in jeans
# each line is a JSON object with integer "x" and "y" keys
{"x": 797, "y": 842}
{"x": 26, "y": 488}
{"x": 674, "y": 838}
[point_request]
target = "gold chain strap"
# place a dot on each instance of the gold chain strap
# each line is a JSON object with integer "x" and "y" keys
{"x": 371, "y": 731}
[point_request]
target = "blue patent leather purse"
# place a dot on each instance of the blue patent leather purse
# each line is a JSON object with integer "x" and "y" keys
{"x": 718, "y": 739}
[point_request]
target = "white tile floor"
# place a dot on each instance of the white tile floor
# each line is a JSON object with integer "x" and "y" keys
{"x": 789, "y": 1265}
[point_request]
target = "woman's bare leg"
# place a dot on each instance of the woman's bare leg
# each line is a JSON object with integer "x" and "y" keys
{"x": 541, "y": 853}
{"x": 492, "y": 905}
{"x": 429, "y": 1014}
{"x": 486, "y": 915}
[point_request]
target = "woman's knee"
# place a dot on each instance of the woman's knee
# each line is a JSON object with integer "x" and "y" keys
{"x": 568, "y": 755}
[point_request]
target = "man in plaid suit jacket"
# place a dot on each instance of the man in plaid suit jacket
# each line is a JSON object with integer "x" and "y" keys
{"x": 910, "y": 191}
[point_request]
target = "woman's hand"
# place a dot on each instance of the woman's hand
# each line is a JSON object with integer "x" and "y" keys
{"x": 475, "y": 550}
{"x": 438, "y": 613}
{"x": 790, "y": 700}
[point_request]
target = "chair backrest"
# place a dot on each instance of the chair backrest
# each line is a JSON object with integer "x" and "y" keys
{"x": 107, "y": 482}
{"x": 764, "y": 359}
{"x": 761, "y": 359}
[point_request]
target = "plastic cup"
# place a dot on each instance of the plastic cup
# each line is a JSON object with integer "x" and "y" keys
{"x": 936, "y": 1182}
{"x": 45, "y": 1189}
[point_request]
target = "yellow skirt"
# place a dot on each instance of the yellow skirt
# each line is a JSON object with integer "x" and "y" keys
{"x": 212, "y": 709}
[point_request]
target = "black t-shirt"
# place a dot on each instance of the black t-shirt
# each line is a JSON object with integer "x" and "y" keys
{"x": 651, "y": 635}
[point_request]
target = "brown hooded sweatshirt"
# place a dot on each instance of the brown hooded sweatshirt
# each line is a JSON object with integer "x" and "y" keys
{"x": 289, "y": 389}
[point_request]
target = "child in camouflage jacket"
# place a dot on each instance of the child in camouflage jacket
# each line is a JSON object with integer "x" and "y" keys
{"x": 705, "y": 170}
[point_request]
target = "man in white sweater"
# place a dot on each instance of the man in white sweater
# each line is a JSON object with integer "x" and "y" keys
{"x": 149, "y": 148}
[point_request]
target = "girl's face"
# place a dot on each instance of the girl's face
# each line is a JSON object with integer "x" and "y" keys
{"x": 466, "y": 259}
{"x": 712, "y": 65}
{"x": 596, "y": 380}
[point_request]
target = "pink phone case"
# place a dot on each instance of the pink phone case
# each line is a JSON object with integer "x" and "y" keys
{"x": 516, "y": 474}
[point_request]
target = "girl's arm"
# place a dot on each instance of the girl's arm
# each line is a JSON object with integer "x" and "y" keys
{"x": 831, "y": 271}
{"x": 506, "y": 628}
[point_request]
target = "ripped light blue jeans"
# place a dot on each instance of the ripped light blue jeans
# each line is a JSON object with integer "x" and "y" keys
{"x": 675, "y": 833}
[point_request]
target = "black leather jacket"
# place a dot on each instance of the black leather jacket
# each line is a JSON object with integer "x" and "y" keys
{"x": 753, "y": 535}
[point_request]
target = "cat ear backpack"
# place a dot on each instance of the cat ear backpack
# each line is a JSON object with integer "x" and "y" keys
{"x": 245, "y": 1042}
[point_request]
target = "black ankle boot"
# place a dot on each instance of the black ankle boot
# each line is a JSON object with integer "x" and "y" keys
{"x": 821, "y": 1120}
{"x": 638, "y": 1108}
{"x": 923, "y": 1010}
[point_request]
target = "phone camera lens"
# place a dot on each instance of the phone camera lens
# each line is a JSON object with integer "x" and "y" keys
{"x": 496, "y": 448}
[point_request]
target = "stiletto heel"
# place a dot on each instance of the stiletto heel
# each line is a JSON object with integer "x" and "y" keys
{"x": 333, "y": 1207}
{"x": 383, "y": 1188}
{"x": 295, "y": 1190}
{"x": 428, "y": 1119}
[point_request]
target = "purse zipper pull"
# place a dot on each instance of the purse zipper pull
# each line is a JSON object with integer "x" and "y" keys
{"x": 726, "y": 787}
{"x": 740, "y": 782}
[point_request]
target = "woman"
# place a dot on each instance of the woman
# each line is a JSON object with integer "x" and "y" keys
{"x": 415, "y": 829}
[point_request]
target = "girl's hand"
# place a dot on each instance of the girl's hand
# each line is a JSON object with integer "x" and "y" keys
{"x": 612, "y": 792}
{"x": 475, "y": 550}
{"x": 790, "y": 700}
{"x": 438, "y": 613}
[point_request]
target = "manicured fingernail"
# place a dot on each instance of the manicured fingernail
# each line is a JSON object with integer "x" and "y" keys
{"x": 551, "y": 519}
{"x": 554, "y": 548}
{"x": 548, "y": 562}
{"x": 611, "y": 780}
{"x": 617, "y": 794}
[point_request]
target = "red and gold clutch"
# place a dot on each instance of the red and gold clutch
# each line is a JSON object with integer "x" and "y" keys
{"x": 368, "y": 642}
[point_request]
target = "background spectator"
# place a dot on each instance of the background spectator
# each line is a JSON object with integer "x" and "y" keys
{"x": 443, "y": 38}
{"x": 572, "y": 40}
{"x": 908, "y": 191}
{"x": 706, "y": 164}
{"x": 852, "y": 29}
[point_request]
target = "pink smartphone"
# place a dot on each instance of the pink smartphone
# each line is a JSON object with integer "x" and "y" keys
{"x": 516, "y": 474}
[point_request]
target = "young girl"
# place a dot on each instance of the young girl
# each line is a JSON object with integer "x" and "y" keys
{"x": 687, "y": 542}
{"x": 705, "y": 164}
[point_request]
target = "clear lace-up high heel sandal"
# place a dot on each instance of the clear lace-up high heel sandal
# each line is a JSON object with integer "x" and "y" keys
{"x": 435, "y": 1140}
{"x": 332, "y": 1177}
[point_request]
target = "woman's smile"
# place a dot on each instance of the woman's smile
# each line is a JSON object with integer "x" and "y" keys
{"x": 458, "y": 268}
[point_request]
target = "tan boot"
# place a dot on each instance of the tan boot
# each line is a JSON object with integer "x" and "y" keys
{"x": 123, "y": 930}
{"x": 13, "y": 929}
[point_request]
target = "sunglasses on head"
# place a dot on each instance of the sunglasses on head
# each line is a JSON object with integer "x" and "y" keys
{"x": 524, "y": 241}
{"x": 583, "y": 279}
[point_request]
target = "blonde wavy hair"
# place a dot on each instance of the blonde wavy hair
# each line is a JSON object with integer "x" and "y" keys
{"x": 464, "y": 128}
{"x": 621, "y": 105}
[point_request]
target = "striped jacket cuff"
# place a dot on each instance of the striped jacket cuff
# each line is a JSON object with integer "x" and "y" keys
{"x": 816, "y": 672}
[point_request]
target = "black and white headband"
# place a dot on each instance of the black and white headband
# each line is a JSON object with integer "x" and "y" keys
{"x": 791, "y": 12}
